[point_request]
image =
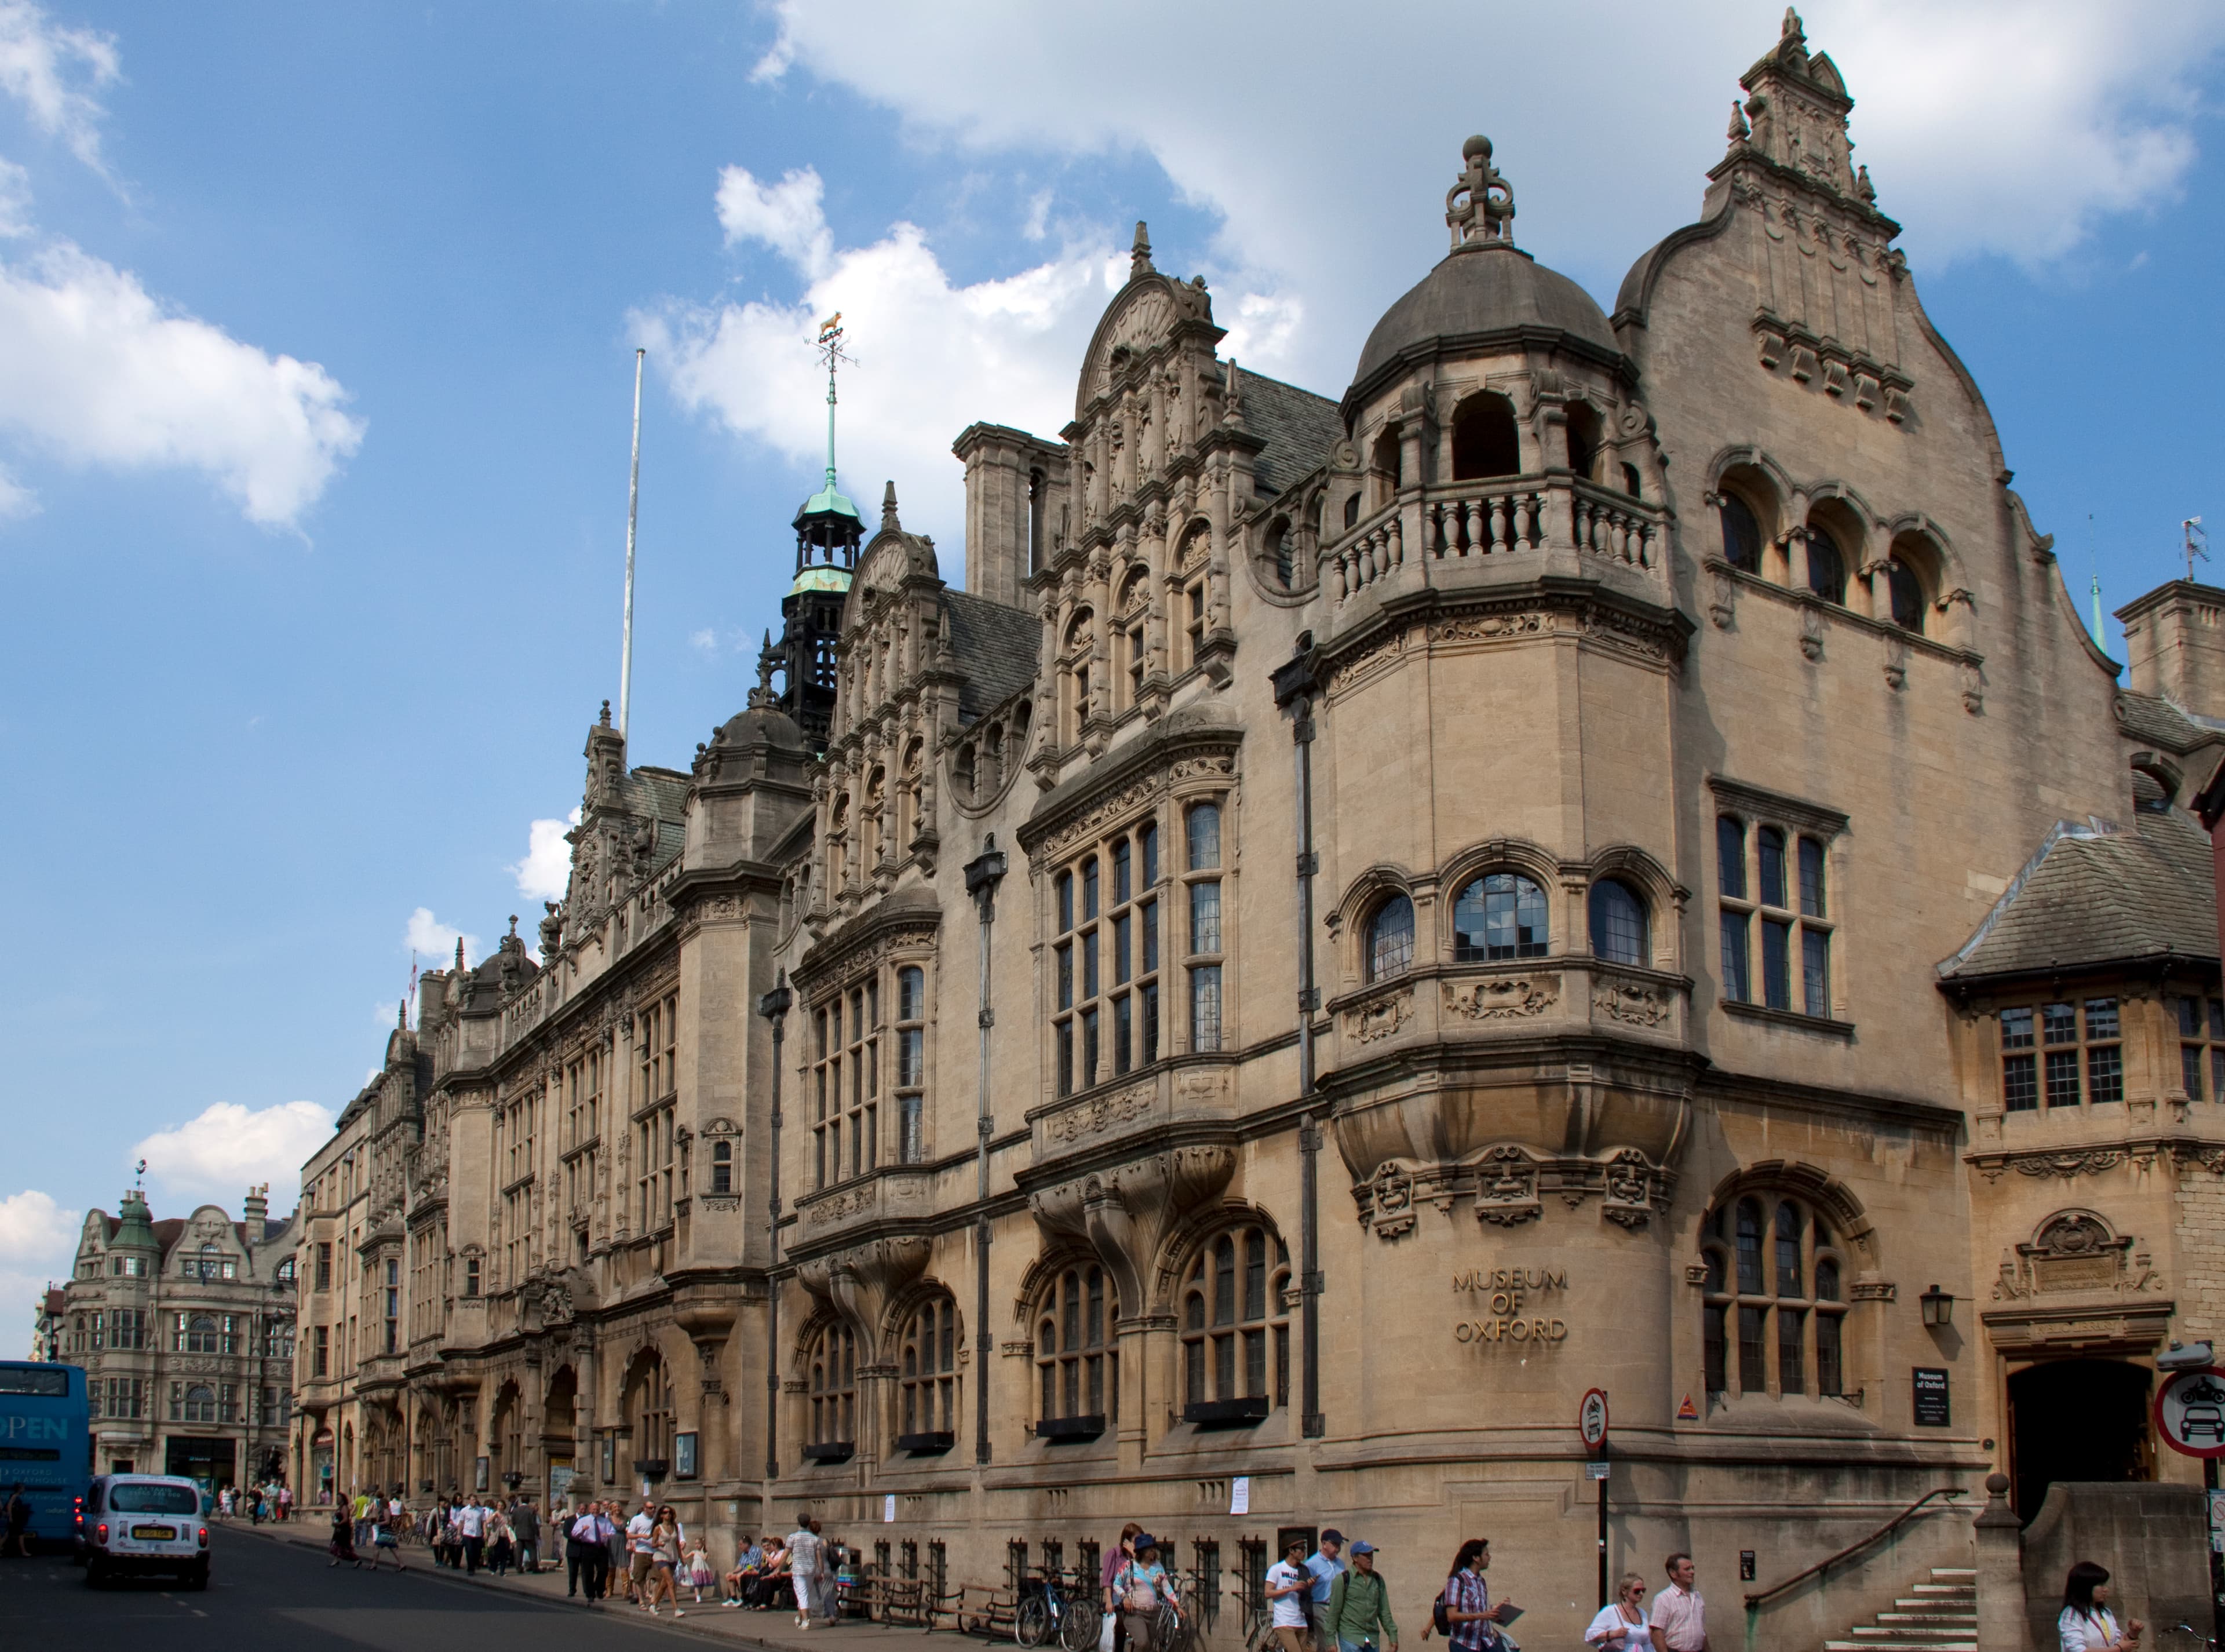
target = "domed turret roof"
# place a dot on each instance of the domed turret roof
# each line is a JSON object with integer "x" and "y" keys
{"x": 1486, "y": 285}
{"x": 828, "y": 501}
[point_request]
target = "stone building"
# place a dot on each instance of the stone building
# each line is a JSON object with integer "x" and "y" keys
{"x": 1601, "y": 857}
{"x": 185, "y": 1328}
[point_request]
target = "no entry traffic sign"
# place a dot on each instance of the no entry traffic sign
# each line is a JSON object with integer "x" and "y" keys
{"x": 2189, "y": 1412}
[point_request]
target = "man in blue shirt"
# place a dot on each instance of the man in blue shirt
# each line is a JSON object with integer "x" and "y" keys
{"x": 1324, "y": 1565}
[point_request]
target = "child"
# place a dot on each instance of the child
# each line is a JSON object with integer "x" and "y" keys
{"x": 699, "y": 1574}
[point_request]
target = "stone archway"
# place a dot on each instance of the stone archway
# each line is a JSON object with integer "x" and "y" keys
{"x": 560, "y": 1415}
{"x": 2077, "y": 1420}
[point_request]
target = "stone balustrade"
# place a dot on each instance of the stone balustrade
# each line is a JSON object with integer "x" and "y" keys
{"x": 1455, "y": 523}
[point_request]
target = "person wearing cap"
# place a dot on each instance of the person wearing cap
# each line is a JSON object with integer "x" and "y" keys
{"x": 1288, "y": 1588}
{"x": 1358, "y": 1610}
{"x": 1141, "y": 1587}
{"x": 1325, "y": 1567}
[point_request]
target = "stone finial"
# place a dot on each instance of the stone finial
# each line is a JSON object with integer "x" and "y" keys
{"x": 513, "y": 925}
{"x": 1739, "y": 130}
{"x": 604, "y": 721}
{"x": 402, "y": 1015}
{"x": 1863, "y": 187}
{"x": 889, "y": 522}
{"x": 1139, "y": 254}
{"x": 1792, "y": 30}
{"x": 1480, "y": 207}
{"x": 459, "y": 954}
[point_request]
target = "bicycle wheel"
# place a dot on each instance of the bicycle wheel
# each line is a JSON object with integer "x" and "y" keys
{"x": 1170, "y": 1632}
{"x": 1077, "y": 1627}
{"x": 1031, "y": 1623}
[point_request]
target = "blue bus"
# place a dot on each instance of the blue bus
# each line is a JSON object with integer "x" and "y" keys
{"x": 46, "y": 1444}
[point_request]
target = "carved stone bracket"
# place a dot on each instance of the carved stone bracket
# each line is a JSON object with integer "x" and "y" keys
{"x": 1508, "y": 1185}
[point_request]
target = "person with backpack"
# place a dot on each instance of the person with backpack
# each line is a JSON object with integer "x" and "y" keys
{"x": 1289, "y": 1588}
{"x": 1463, "y": 1612}
{"x": 1358, "y": 1610}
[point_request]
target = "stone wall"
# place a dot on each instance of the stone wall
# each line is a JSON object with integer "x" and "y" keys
{"x": 2154, "y": 1539}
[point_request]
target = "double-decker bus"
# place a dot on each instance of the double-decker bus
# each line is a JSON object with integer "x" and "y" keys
{"x": 46, "y": 1445}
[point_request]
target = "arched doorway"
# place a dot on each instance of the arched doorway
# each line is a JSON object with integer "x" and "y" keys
{"x": 2077, "y": 1420}
{"x": 505, "y": 1443}
{"x": 559, "y": 1422}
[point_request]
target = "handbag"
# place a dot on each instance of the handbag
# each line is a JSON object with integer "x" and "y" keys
{"x": 1106, "y": 1631}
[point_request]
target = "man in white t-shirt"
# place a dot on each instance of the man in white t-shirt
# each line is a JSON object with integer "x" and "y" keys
{"x": 1289, "y": 1585}
{"x": 803, "y": 1570}
{"x": 471, "y": 1520}
{"x": 638, "y": 1545}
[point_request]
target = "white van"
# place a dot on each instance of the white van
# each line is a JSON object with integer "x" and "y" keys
{"x": 145, "y": 1522}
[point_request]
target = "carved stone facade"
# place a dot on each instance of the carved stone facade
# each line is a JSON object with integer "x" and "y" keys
{"x": 1641, "y": 706}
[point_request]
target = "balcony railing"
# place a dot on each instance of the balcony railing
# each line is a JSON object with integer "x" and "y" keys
{"x": 1452, "y": 522}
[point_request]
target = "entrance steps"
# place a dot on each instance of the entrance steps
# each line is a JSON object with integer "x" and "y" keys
{"x": 1937, "y": 1616}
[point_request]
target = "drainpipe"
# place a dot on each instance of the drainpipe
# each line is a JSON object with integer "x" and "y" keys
{"x": 1293, "y": 684}
{"x": 982, "y": 873}
{"x": 774, "y": 1007}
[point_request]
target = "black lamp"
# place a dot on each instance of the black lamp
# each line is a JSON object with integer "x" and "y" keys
{"x": 1938, "y": 1308}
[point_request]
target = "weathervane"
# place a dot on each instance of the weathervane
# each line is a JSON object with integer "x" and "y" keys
{"x": 831, "y": 353}
{"x": 140, "y": 1173}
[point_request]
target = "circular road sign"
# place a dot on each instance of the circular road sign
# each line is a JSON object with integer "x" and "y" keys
{"x": 2189, "y": 1412}
{"x": 1591, "y": 1418}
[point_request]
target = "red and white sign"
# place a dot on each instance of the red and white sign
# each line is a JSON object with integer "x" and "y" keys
{"x": 1591, "y": 1418}
{"x": 2189, "y": 1412}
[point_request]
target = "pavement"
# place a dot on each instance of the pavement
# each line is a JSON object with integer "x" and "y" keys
{"x": 299, "y": 1545}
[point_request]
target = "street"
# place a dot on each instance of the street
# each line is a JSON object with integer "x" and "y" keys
{"x": 269, "y": 1591}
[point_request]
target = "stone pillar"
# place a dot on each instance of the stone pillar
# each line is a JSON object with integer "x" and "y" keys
{"x": 2003, "y": 1625}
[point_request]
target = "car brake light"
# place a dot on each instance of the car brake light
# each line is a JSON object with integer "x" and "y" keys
{"x": 204, "y": 1537}
{"x": 101, "y": 1537}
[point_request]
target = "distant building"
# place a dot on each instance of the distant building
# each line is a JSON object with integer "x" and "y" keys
{"x": 47, "y": 1329}
{"x": 1602, "y": 856}
{"x": 185, "y": 1328}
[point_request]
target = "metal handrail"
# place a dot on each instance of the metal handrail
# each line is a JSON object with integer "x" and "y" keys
{"x": 1753, "y": 1601}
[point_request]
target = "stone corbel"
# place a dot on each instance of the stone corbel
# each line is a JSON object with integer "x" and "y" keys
{"x": 1127, "y": 1214}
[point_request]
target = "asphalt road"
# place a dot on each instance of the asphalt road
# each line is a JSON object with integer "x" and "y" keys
{"x": 266, "y": 1593}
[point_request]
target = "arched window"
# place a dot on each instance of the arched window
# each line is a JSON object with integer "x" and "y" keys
{"x": 1501, "y": 914}
{"x": 1391, "y": 939}
{"x": 1906, "y": 594}
{"x": 199, "y": 1334}
{"x": 1077, "y": 1366}
{"x": 1205, "y": 946}
{"x": 1235, "y": 1330}
{"x": 1583, "y": 428}
{"x": 1827, "y": 566}
{"x": 722, "y": 1167}
{"x": 199, "y": 1404}
{"x": 833, "y": 1389}
{"x": 927, "y": 1376}
{"x": 648, "y": 1408}
{"x": 1773, "y": 1288}
{"x": 1390, "y": 466}
{"x": 1617, "y": 922}
{"x": 1484, "y": 439}
{"x": 1741, "y": 535}
{"x": 912, "y": 1064}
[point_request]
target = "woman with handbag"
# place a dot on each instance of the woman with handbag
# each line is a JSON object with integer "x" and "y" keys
{"x": 1141, "y": 1587}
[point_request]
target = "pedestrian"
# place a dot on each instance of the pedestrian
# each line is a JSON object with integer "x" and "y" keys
{"x": 285, "y": 1502}
{"x": 749, "y": 1559}
{"x": 824, "y": 1598}
{"x": 663, "y": 1563}
{"x": 471, "y": 1531}
{"x": 1289, "y": 1586}
{"x": 1471, "y": 1622}
{"x": 343, "y": 1543}
{"x": 1358, "y": 1610}
{"x": 638, "y": 1531}
{"x": 386, "y": 1541}
{"x": 1679, "y": 1616}
{"x": 2086, "y": 1624}
{"x": 525, "y": 1524}
{"x": 1324, "y": 1564}
{"x": 804, "y": 1569}
{"x": 1142, "y": 1587}
{"x": 18, "y": 1540}
{"x": 502, "y": 1547}
{"x": 1116, "y": 1557}
{"x": 618, "y": 1547}
{"x": 575, "y": 1548}
{"x": 1622, "y": 1625}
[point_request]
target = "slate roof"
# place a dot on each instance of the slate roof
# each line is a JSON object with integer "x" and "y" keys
{"x": 1299, "y": 427}
{"x": 2098, "y": 893}
{"x": 2163, "y": 723}
{"x": 994, "y": 646}
{"x": 662, "y": 793}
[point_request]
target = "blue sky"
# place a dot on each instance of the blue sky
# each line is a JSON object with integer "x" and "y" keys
{"x": 316, "y": 333}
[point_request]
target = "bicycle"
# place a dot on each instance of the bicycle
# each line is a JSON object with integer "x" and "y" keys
{"x": 1047, "y": 1611}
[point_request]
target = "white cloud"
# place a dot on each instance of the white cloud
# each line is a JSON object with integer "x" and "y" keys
{"x": 38, "y": 1246}
{"x": 427, "y": 934}
{"x": 927, "y": 346}
{"x": 15, "y": 201}
{"x": 51, "y": 69}
{"x": 229, "y": 1146}
{"x": 547, "y": 868}
{"x": 96, "y": 371}
{"x": 788, "y": 217}
{"x": 703, "y": 641}
{"x": 2017, "y": 132}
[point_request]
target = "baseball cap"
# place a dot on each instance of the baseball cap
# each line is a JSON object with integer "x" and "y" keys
{"x": 1363, "y": 1548}
{"x": 1331, "y": 1535}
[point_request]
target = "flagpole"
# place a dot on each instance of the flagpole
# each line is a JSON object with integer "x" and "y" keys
{"x": 633, "y": 509}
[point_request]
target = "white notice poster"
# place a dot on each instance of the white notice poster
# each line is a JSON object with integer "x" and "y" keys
{"x": 888, "y": 1510}
{"x": 1239, "y": 1495}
